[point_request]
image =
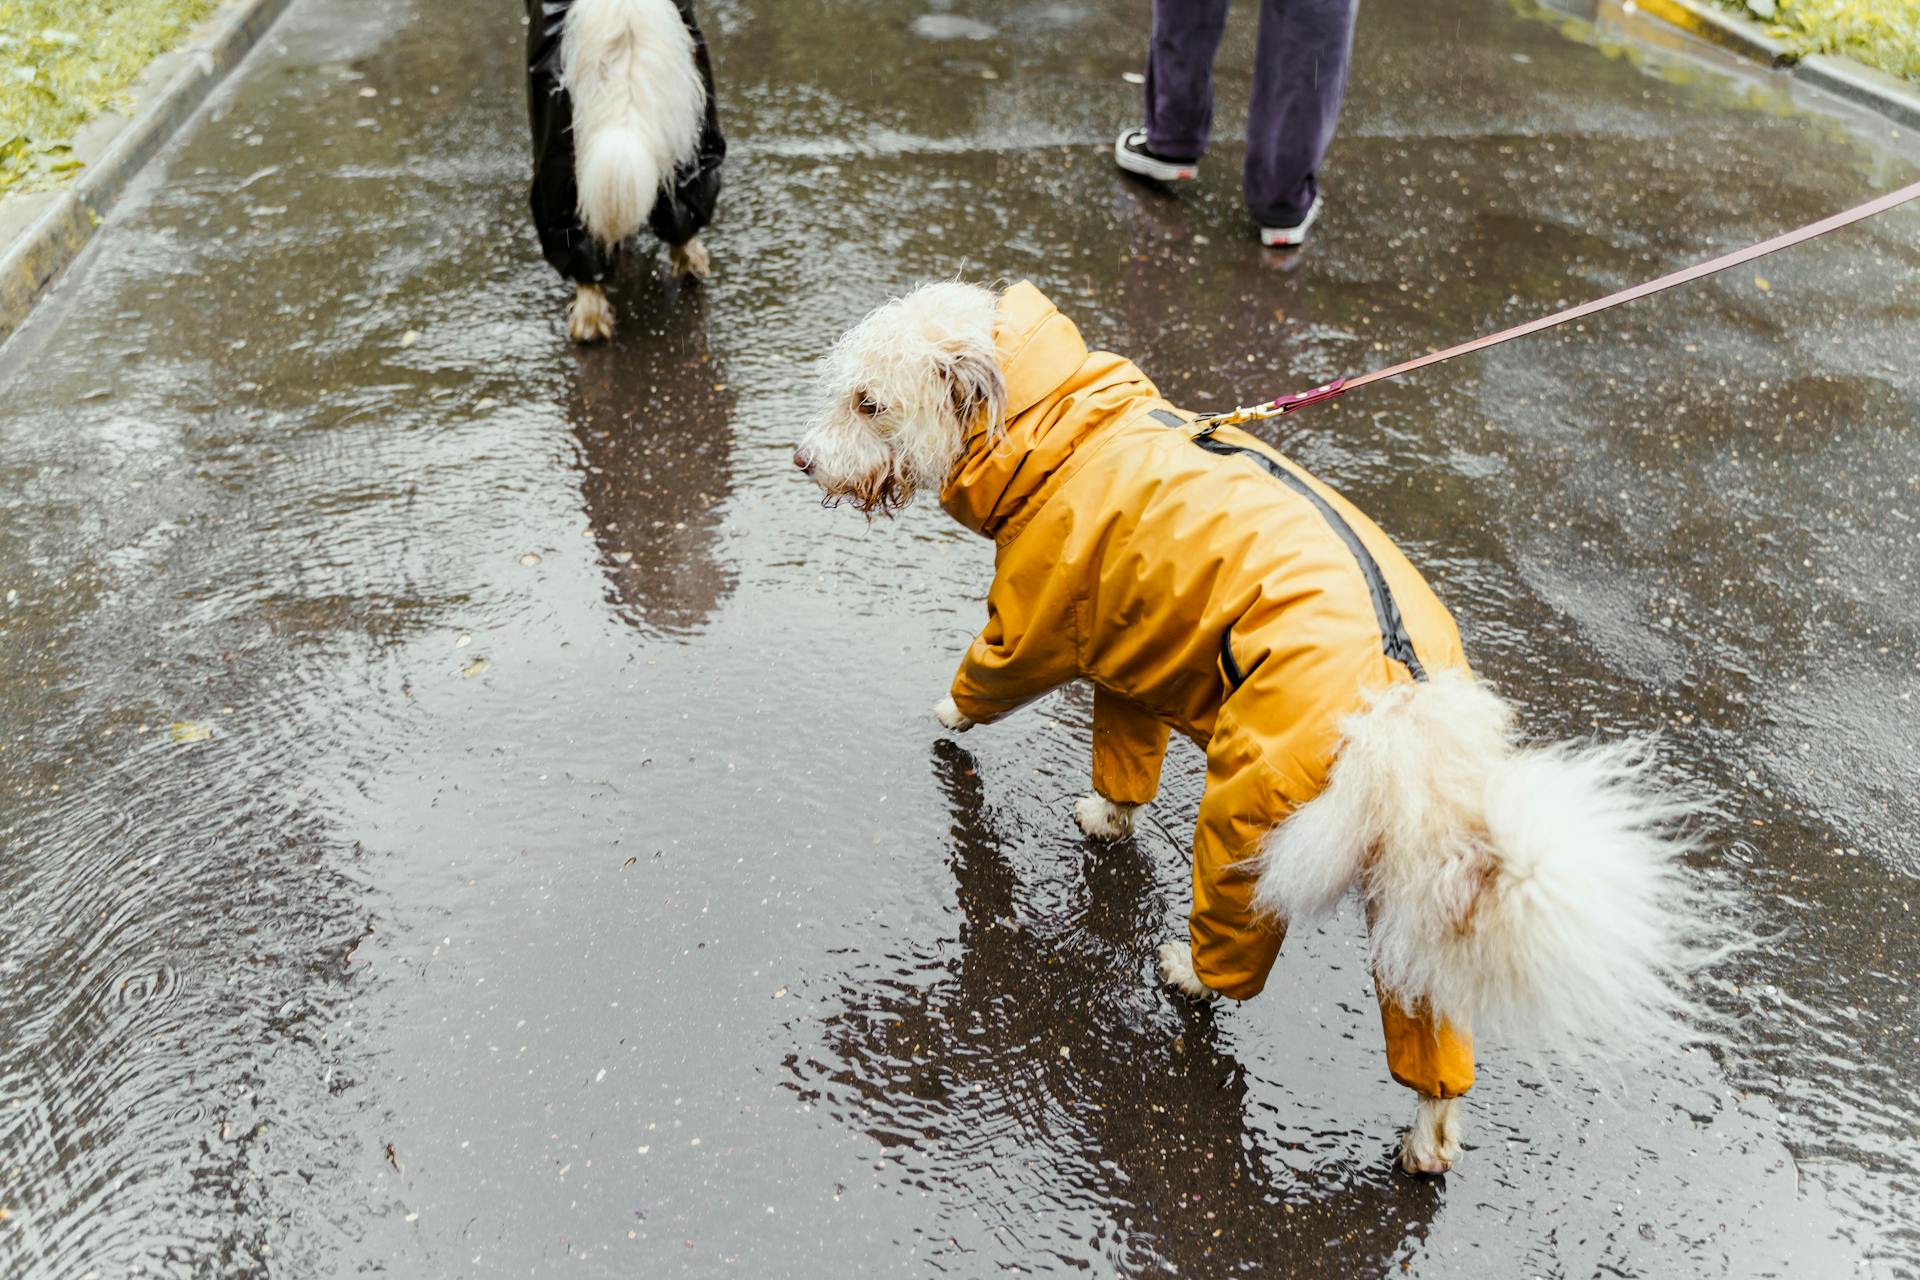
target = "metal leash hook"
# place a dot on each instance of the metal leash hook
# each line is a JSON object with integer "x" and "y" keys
{"x": 1272, "y": 409}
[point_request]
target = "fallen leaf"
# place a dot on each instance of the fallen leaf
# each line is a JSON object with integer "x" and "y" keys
{"x": 629, "y": 862}
{"x": 190, "y": 731}
{"x": 530, "y": 559}
{"x": 475, "y": 667}
{"x": 1765, "y": 287}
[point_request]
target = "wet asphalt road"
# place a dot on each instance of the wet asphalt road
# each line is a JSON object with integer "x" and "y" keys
{"x": 574, "y": 881}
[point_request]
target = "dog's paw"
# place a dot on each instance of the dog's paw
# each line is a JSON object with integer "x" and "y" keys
{"x": 948, "y": 713}
{"x": 1102, "y": 818}
{"x": 688, "y": 261}
{"x": 1176, "y": 970}
{"x": 1433, "y": 1143}
{"x": 590, "y": 318}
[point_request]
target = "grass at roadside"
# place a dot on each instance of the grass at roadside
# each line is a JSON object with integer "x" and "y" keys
{"x": 64, "y": 61}
{"x": 1880, "y": 33}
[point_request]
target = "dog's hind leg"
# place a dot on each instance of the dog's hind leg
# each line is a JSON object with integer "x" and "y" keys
{"x": 1176, "y": 971}
{"x": 1433, "y": 1143}
{"x": 590, "y": 318}
{"x": 688, "y": 261}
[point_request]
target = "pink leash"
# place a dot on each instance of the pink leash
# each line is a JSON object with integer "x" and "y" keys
{"x": 1339, "y": 386}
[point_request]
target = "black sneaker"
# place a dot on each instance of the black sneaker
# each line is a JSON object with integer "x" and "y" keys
{"x": 1130, "y": 153}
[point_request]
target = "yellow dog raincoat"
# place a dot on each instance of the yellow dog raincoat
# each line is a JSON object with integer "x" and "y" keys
{"x": 1205, "y": 585}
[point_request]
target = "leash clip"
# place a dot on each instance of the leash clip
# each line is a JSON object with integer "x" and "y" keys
{"x": 1283, "y": 405}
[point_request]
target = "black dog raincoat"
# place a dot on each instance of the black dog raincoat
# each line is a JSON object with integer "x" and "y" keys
{"x": 686, "y": 201}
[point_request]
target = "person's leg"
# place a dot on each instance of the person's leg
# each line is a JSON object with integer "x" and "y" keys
{"x": 1299, "y": 83}
{"x": 1179, "y": 97}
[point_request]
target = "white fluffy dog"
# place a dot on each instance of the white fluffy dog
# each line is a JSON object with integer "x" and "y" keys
{"x": 1536, "y": 891}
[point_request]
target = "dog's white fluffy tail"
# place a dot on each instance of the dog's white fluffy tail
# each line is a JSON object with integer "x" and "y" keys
{"x": 638, "y": 106}
{"x": 1534, "y": 891}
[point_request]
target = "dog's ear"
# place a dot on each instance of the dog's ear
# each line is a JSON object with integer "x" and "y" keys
{"x": 972, "y": 371}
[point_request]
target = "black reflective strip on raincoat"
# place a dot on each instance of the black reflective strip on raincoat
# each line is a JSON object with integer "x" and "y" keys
{"x": 686, "y": 202}
{"x": 1395, "y": 642}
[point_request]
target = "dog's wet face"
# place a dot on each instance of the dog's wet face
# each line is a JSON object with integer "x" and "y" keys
{"x": 853, "y": 449}
{"x": 902, "y": 390}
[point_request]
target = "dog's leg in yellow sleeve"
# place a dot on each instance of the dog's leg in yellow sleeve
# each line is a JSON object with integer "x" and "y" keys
{"x": 1129, "y": 745}
{"x": 1429, "y": 1056}
{"x": 1026, "y": 649}
{"x": 1230, "y": 950}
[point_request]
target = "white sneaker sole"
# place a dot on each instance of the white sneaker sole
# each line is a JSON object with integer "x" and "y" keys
{"x": 1148, "y": 167}
{"x": 1291, "y": 237}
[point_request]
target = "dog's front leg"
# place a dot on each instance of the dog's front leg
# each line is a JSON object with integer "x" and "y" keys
{"x": 1104, "y": 819}
{"x": 948, "y": 713}
{"x": 1433, "y": 1143}
{"x": 1129, "y": 746}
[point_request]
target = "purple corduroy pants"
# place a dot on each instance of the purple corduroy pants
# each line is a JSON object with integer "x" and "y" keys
{"x": 1299, "y": 82}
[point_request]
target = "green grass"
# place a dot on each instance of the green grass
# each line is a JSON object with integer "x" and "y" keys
{"x": 64, "y": 61}
{"x": 1880, "y": 33}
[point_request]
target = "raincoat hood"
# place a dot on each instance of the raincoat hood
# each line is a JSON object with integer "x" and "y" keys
{"x": 1059, "y": 396}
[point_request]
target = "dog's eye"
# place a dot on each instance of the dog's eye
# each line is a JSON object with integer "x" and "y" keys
{"x": 870, "y": 407}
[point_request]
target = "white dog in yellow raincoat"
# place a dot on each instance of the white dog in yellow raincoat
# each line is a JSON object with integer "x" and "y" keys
{"x": 1205, "y": 583}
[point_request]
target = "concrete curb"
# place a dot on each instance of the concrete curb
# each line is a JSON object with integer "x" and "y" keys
{"x": 48, "y": 242}
{"x": 1845, "y": 78}
{"x": 1868, "y": 86}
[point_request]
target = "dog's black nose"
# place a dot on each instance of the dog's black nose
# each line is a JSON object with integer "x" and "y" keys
{"x": 803, "y": 460}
